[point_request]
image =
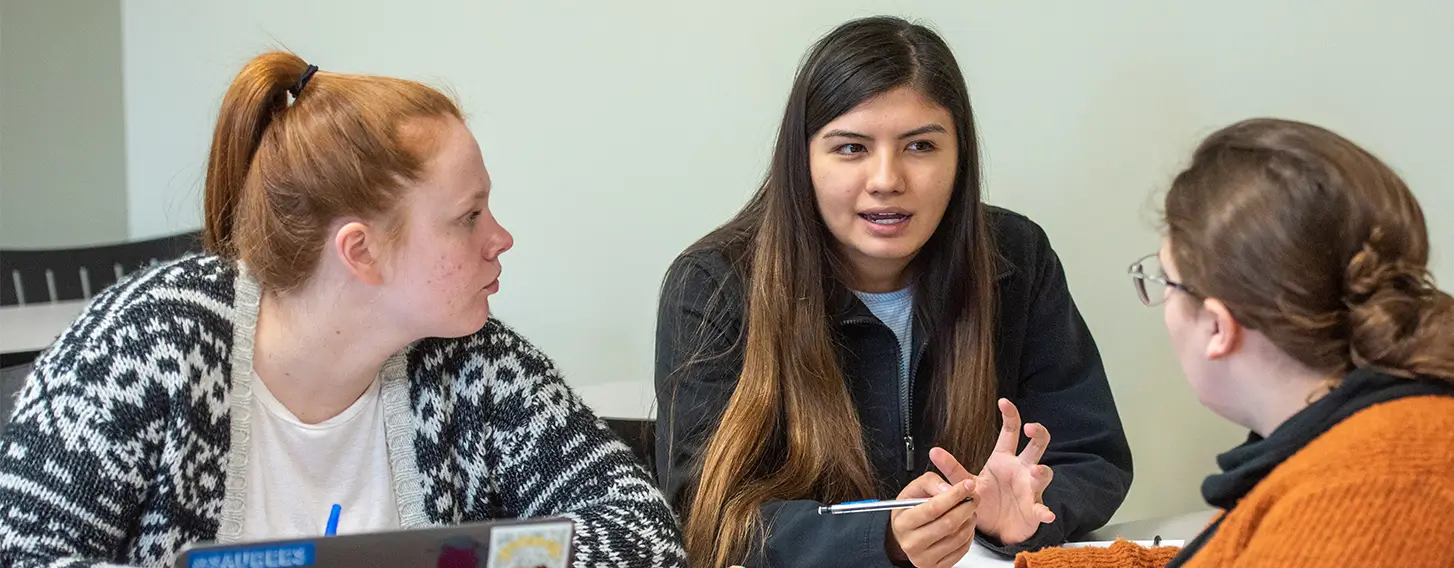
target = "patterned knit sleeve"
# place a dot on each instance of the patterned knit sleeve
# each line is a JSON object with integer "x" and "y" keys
{"x": 68, "y": 493}
{"x": 82, "y": 468}
{"x": 551, "y": 456}
{"x": 75, "y": 459}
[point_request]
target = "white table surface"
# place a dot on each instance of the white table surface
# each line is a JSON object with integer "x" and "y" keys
{"x": 1178, "y": 527}
{"x": 981, "y": 557}
{"x": 33, "y": 327}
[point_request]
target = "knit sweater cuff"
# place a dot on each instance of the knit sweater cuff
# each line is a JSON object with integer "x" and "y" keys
{"x": 1120, "y": 554}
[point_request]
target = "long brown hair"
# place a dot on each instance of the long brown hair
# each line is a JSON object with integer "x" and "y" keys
{"x": 280, "y": 173}
{"x": 790, "y": 430}
{"x": 1316, "y": 243}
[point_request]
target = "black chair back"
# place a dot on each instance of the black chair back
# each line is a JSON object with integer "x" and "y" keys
{"x": 29, "y": 276}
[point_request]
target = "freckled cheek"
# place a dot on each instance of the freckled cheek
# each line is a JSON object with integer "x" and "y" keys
{"x": 443, "y": 270}
{"x": 456, "y": 279}
{"x": 439, "y": 275}
{"x": 449, "y": 288}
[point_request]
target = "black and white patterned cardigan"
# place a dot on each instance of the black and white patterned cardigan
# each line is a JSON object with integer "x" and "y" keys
{"x": 130, "y": 439}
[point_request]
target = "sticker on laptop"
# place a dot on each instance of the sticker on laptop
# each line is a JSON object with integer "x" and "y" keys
{"x": 461, "y": 551}
{"x": 534, "y": 545}
{"x": 281, "y": 556}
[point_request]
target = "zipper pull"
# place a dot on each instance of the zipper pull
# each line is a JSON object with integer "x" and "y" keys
{"x": 908, "y": 453}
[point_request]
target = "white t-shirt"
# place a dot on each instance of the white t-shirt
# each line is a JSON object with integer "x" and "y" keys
{"x": 297, "y": 472}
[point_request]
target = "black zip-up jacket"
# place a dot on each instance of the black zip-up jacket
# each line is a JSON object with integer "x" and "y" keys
{"x": 1047, "y": 364}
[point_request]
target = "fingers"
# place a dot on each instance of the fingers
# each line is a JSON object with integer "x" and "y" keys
{"x": 923, "y": 487}
{"x": 1009, "y": 440}
{"x": 933, "y": 530}
{"x": 1043, "y": 475}
{"x": 1044, "y": 514}
{"x": 950, "y": 531}
{"x": 936, "y": 507}
{"x": 1039, "y": 440}
{"x": 952, "y": 522}
{"x": 949, "y": 466}
{"x": 958, "y": 554}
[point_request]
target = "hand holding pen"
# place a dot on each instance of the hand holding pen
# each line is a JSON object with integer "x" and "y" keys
{"x": 939, "y": 530}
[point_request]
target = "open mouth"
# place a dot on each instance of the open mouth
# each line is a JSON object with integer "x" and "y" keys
{"x": 885, "y": 218}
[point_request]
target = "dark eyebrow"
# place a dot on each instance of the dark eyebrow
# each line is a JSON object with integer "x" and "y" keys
{"x": 922, "y": 130}
{"x": 846, "y": 134}
{"x": 926, "y": 129}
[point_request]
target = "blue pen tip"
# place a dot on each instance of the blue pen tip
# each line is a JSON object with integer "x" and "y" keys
{"x": 333, "y": 513}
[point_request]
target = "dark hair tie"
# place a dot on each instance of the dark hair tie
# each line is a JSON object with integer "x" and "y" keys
{"x": 297, "y": 88}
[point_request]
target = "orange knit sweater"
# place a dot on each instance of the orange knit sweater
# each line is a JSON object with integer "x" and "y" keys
{"x": 1375, "y": 490}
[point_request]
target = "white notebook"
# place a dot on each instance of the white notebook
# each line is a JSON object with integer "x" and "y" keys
{"x": 1105, "y": 543}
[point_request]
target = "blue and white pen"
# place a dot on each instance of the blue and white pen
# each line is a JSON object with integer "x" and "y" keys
{"x": 872, "y": 505}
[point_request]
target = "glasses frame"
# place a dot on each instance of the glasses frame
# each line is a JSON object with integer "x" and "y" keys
{"x": 1139, "y": 277}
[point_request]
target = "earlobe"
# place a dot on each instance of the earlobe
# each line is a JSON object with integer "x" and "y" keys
{"x": 354, "y": 244}
{"x": 1226, "y": 332}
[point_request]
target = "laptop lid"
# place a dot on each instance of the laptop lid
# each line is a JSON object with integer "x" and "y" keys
{"x": 518, "y": 543}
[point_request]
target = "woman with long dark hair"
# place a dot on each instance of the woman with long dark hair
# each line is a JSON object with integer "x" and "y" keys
{"x": 866, "y": 320}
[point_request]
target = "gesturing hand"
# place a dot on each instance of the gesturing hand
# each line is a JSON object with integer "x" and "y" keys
{"x": 1010, "y": 487}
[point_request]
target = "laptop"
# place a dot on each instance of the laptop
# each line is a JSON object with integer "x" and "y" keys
{"x": 516, "y": 543}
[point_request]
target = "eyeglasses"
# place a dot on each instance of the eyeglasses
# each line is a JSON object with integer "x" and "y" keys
{"x": 1152, "y": 285}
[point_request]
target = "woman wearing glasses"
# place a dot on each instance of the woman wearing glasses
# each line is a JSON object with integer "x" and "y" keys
{"x": 1294, "y": 285}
